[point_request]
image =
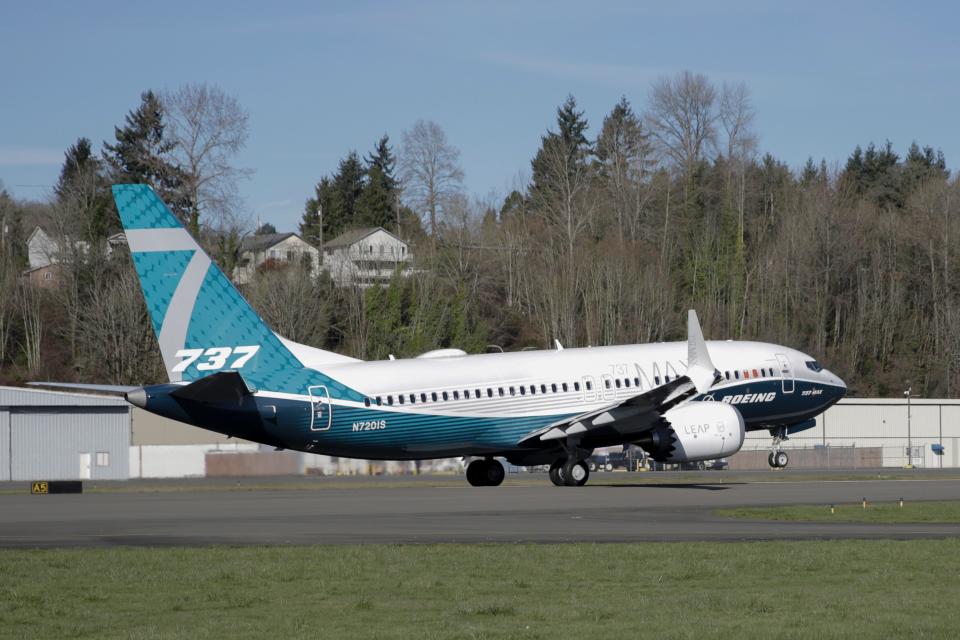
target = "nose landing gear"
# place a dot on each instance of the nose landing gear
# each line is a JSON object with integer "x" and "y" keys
{"x": 778, "y": 458}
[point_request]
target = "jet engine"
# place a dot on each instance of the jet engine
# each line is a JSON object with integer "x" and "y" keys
{"x": 695, "y": 431}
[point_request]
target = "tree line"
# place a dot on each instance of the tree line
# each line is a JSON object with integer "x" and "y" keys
{"x": 619, "y": 229}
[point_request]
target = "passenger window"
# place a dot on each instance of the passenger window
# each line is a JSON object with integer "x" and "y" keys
{"x": 533, "y": 389}
{"x": 413, "y": 398}
{"x": 500, "y": 391}
{"x": 366, "y": 401}
{"x": 456, "y": 395}
{"x": 445, "y": 396}
{"x": 400, "y": 398}
{"x": 755, "y": 374}
{"x": 656, "y": 380}
{"x": 617, "y": 381}
{"x": 589, "y": 386}
{"x": 553, "y": 387}
{"x": 727, "y": 374}
{"x": 736, "y": 374}
{"x": 489, "y": 392}
{"x": 379, "y": 401}
{"x": 434, "y": 396}
{"x": 564, "y": 386}
{"x": 626, "y": 382}
{"x": 478, "y": 394}
{"x": 576, "y": 386}
{"x": 513, "y": 391}
{"x": 523, "y": 390}
{"x": 666, "y": 378}
{"x": 636, "y": 382}
{"x": 390, "y": 400}
{"x": 423, "y": 397}
{"x": 543, "y": 388}
{"x": 606, "y": 383}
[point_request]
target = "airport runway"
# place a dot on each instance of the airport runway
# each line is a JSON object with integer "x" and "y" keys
{"x": 422, "y": 512}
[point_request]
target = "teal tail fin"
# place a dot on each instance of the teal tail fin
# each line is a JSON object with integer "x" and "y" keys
{"x": 202, "y": 323}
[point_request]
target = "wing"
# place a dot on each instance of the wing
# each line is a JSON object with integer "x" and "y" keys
{"x": 625, "y": 420}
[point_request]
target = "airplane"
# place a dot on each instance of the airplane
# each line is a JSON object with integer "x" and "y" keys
{"x": 230, "y": 373}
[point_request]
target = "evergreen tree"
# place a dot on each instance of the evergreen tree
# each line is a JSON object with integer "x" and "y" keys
{"x": 84, "y": 189}
{"x": 140, "y": 155}
{"x": 377, "y": 205}
{"x": 265, "y": 229}
{"x": 563, "y": 153}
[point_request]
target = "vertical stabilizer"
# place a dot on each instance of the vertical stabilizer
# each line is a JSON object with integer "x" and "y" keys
{"x": 202, "y": 323}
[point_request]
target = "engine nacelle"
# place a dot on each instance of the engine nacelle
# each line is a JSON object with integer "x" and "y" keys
{"x": 695, "y": 431}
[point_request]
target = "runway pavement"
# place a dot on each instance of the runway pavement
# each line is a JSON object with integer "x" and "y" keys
{"x": 433, "y": 511}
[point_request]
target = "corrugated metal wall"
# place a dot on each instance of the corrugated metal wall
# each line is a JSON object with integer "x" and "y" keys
{"x": 48, "y": 445}
{"x": 4, "y": 445}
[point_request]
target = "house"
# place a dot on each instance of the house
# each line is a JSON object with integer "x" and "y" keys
{"x": 276, "y": 248}
{"x": 365, "y": 256}
{"x": 44, "y": 255}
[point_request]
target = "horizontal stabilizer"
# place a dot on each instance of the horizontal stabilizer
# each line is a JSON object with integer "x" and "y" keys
{"x": 220, "y": 388}
{"x": 110, "y": 389}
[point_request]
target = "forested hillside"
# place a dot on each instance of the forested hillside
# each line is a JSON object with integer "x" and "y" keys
{"x": 626, "y": 219}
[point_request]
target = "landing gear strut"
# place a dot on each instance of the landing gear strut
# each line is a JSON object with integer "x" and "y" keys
{"x": 569, "y": 473}
{"x": 485, "y": 473}
{"x": 778, "y": 458}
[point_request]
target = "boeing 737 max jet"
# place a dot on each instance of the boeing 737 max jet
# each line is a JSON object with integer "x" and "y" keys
{"x": 229, "y": 373}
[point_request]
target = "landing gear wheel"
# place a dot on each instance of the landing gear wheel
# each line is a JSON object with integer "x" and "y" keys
{"x": 493, "y": 473}
{"x": 771, "y": 460}
{"x": 575, "y": 474}
{"x": 556, "y": 473}
{"x": 476, "y": 473}
{"x": 782, "y": 459}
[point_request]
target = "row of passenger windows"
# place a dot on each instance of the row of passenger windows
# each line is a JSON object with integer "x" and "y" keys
{"x": 523, "y": 390}
{"x": 467, "y": 394}
{"x": 502, "y": 392}
{"x": 750, "y": 373}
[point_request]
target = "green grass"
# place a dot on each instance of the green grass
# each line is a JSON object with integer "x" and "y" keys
{"x": 911, "y": 512}
{"x": 811, "y": 589}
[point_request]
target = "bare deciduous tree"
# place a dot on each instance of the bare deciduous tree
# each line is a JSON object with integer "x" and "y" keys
{"x": 208, "y": 128}
{"x": 682, "y": 117}
{"x": 430, "y": 170}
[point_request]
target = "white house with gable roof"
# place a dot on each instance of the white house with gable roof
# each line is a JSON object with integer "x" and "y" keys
{"x": 363, "y": 257}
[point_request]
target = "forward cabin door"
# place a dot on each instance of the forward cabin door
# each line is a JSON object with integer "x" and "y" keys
{"x": 321, "y": 415}
{"x": 786, "y": 372}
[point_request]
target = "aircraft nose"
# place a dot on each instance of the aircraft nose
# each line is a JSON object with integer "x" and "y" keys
{"x": 840, "y": 384}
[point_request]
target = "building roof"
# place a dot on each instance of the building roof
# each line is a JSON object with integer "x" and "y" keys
{"x": 263, "y": 241}
{"x": 21, "y": 397}
{"x": 350, "y": 238}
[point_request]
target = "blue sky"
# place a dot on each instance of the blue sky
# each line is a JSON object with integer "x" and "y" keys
{"x": 321, "y": 78}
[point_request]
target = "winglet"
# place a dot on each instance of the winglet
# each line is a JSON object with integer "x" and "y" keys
{"x": 700, "y": 368}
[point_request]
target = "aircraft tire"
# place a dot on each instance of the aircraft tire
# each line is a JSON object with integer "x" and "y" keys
{"x": 782, "y": 459}
{"x": 476, "y": 473}
{"x": 556, "y": 473}
{"x": 771, "y": 460}
{"x": 493, "y": 473}
{"x": 576, "y": 474}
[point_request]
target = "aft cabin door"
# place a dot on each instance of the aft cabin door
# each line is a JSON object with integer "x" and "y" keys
{"x": 786, "y": 372}
{"x": 321, "y": 416}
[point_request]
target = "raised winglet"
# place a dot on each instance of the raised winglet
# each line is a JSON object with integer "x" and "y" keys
{"x": 700, "y": 368}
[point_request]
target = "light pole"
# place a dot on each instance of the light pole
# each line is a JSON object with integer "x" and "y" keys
{"x": 908, "y": 393}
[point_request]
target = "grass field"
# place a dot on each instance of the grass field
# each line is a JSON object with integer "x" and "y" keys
{"x": 911, "y": 512}
{"x": 874, "y": 589}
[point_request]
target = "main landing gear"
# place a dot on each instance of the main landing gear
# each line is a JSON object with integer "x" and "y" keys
{"x": 569, "y": 473}
{"x": 485, "y": 472}
{"x": 778, "y": 458}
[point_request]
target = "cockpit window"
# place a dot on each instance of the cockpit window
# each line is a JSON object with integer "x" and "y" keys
{"x": 814, "y": 366}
